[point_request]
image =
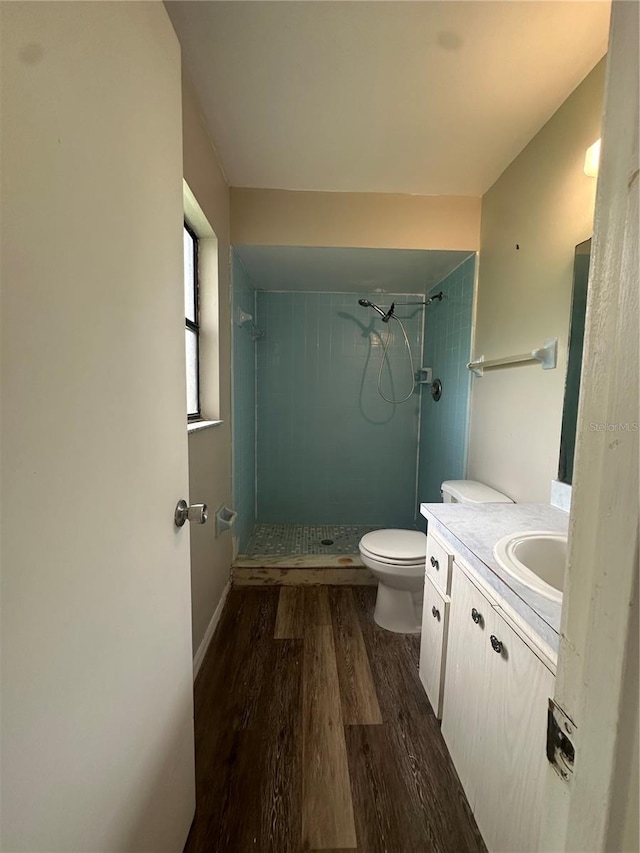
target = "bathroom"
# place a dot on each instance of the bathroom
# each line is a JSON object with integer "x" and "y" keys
{"x": 354, "y": 404}
{"x": 341, "y": 435}
{"x": 298, "y": 615}
{"x": 322, "y": 462}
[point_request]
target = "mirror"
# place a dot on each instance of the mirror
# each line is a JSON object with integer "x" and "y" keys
{"x": 574, "y": 360}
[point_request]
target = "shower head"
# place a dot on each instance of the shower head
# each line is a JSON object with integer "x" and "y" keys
{"x": 386, "y": 315}
{"x": 433, "y": 298}
{"x": 367, "y": 304}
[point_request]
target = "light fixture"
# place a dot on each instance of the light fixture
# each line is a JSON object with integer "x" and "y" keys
{"x": 592, "y": 160}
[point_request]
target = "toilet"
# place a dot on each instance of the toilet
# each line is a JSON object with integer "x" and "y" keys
{"x": 397, "y": 559}
{"x": 471, "y": 492}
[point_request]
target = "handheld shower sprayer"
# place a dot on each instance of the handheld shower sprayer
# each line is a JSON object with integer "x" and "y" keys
{"x": 390, "y": 315}
{"x": 367, "y": 304}
{"x": 386, "y": 315}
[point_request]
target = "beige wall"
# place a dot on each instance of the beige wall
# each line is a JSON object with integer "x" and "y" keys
{"x": 544, "y": 204}
{"x": 210, "y": 449}
{"x": 285, "y": 218}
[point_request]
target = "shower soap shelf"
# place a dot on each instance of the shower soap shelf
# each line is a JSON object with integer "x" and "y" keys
{"x": 424, "y": 376}
{"x": 245, "y": 321}
{"x": 225, "y": 519}
{"x": 547, "y": 355}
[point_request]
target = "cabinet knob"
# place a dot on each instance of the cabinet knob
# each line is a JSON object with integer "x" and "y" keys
{"x": 496, "y": 645}
{"x": 435, "y": 563}
{"x": 435, "y": 612}
{"x": 477, "y": 617}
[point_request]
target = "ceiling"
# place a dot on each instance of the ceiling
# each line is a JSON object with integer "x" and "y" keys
{"x": 339, "y": 270}
{"x": 430, "y": 98}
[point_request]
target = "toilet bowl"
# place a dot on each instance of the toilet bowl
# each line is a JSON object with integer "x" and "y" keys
{"x": 397, "y": 559}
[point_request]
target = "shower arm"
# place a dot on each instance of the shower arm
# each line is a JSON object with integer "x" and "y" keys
{"x": 389, "y": 314}
{"x": 431, "y": 299}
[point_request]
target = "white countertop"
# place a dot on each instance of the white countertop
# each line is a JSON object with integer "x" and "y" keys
{"x": 474, "y": 530}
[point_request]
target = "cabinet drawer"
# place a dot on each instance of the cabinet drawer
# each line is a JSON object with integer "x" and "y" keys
{"x": 439, "y": 564}
{"x": 433, "y": 643}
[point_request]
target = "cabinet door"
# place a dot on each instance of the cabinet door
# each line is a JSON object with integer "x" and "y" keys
{"x": 509, "y": 802}
{"x": 465, "y": 687}
{"x": 435, "y": 616}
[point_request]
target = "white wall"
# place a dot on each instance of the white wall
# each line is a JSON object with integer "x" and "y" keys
{"x": 97, "y": 701}
{"x": 210, "y": 449}
{"x": 543, "y": 204}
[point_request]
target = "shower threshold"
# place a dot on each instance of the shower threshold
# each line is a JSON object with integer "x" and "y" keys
{"x": 296, "y": 554}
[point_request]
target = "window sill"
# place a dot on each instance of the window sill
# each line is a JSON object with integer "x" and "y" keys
{"x": 196, "y": 426}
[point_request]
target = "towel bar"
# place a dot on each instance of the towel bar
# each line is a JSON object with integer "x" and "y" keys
{"x": 547, "y": 355}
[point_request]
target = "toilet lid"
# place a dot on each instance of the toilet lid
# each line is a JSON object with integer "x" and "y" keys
{"x": 408, "y": 546}
{"x": 391, "y": 563}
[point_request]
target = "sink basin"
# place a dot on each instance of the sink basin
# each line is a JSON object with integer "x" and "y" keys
{"x": 537, "y": 559}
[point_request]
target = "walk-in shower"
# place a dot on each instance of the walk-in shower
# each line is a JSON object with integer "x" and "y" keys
{"x": 307, "y": 416}
{"x": 387, "y": 315}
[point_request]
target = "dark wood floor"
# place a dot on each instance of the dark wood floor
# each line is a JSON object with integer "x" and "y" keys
{"x": 313, "y": 732}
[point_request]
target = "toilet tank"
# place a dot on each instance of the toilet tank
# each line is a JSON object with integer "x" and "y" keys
{"x": 471, "y": 492}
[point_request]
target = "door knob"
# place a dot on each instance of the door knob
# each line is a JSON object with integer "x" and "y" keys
{"x": 435, "y": 612}
{"x": 196, "y": 513}
{"x": 477, "y": 617}
{"x": 496, "y": 644}
{"x": 435, "y": 563}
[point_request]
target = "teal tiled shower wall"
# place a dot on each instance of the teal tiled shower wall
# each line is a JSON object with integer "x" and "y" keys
{"x": 447, "y": 349}
{"x": 330, "y": 450}
{"x": 243, "y": 401}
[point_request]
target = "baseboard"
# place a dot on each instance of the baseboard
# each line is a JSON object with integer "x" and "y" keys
{"x": 211, "y": 628}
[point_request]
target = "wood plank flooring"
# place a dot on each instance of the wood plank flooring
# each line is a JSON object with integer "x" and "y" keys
{"x": 327, "y": 808}
{"x": 290, "y": 614}
{"x": 313, "y": 733}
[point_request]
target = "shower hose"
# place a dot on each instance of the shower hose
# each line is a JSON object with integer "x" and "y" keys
{"x": 384, "y": 358}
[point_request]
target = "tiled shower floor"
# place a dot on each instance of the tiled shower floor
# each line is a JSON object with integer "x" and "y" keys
{"x": 292, "y": 539}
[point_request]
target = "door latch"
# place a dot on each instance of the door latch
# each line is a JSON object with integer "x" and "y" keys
{"x": 560, "y": 749}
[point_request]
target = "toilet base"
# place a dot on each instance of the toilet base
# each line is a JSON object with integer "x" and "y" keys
{"x": 398, "y": 610}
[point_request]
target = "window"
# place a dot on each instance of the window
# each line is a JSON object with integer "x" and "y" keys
{"x": 201, "y": 315}
{"x": 192, "y": 330}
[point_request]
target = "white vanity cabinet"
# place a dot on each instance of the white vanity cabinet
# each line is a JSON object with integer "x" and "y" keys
{"x": 494, "y": 718}
{"x": 435, "y": 618}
